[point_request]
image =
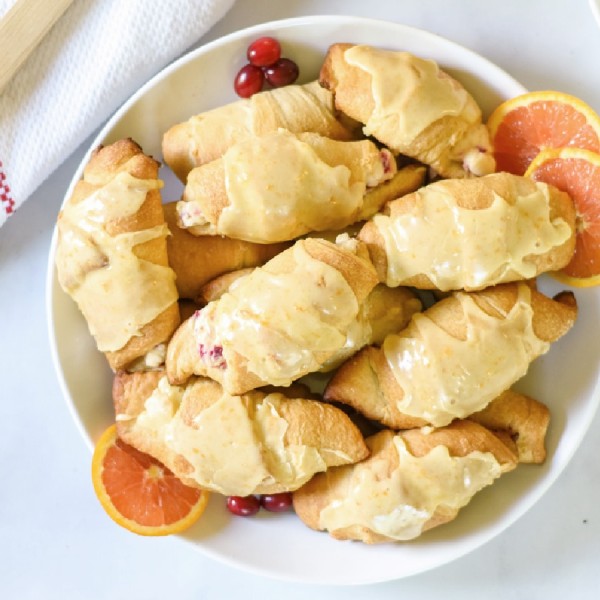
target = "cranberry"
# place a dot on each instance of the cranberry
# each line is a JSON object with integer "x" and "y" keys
{"x": 212, "y": 356}
{"x": 264, "y": 52}
{"x": 283, "y": 72}
{"x": 243, "y": 506}
{"x": 248, "y": 81}
{"x": 276, "y": 502}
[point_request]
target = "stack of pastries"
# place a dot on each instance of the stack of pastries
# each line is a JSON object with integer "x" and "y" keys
{"x": 338, "y": 305}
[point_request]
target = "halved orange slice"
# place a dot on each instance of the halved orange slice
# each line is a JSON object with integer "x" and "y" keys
{"x": 522, "y": 127}
{"x": 139, "y": 493}
{"x": 577, "y": 172}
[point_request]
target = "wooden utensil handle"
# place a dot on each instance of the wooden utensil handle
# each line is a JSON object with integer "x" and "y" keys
{"x": 22, "y": 29}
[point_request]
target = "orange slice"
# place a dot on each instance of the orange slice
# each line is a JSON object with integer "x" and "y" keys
{"x": 577, "y": 172}
{"x": 522, "y": 127}
{"x": 139, "y": 493}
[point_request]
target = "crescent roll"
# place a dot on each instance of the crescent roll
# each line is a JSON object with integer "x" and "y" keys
{"x": 282, "y": 185}
{"x": 472, "y": 233}
{"x": 111, "y": 254}
{"x": 411, "y": 106}
{"x": 385, "y": 310}
{"x": 412, "y": 481}
{"x": 257, "y": 443}
{"x": 283, "y": 321}
{"x": 220, "y": 285}
{"x": 196, "y": 260}
{"x": 205, "y": 137}
{"x": 454, "y": 358}
{"x": 522, "y": 418}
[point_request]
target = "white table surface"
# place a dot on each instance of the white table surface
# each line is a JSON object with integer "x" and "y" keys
{"x": 56, "y": 541}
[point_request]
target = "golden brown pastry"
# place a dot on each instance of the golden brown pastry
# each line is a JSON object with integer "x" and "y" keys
{"x": 454, "y": 358}
{"x": 407, "y": 179}
{"x": 197, "y": 260}
{"x": 205, "y": 137}
{"x": 412, "y": 481}
{"x": 385, "y": 310}
{"x": 410, "y": 105}
{"x": 523, "y": 418}
{"x": 155, "y": 358}
{"x": 285, "y": 320}
{"x": 220, "y": 285}
{"x": 282, "y": 185}
{"x": 260, "y": 442}
{"x": 472, "y": 233}
{"x": 111, "y": 254}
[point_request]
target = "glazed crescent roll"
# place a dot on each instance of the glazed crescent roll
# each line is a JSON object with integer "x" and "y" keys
{"x": 385, "y": 310}
{"x": 205, "y": 137}
{"x": 411, "y": 106}
{"x": 197, "y": 260}
{"x": 111, "y": 254}
{"x": 220, "y": 285}
{"x": 257, "y": 443}
{"x": 282, "y": 185}
{"x": 524, "y": 419}
{"x": 286, "y": 319}
{"x": 489, "y": 230}
{"x": 454, "y": 358}
{"x": 412, "y": 481}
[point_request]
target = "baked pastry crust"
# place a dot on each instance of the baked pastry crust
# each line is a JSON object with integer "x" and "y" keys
{"x": 555, "y": 218}
{"x": 205, "y": 137}
{"x": 460, "y": 439}
{"x": 123, "y": 157}
{"x": 197, "y": 260}
{"x": 260, "y": 442}
{"x": 220, "y": 285}
{"x": 368, "y": 383}
{"x": 521, "y": 417}
{"x": 455, "y": 145}
{"x": 209, "y": 343}
{"x": 385, "y": 310}
{"x": 282, "y": 185}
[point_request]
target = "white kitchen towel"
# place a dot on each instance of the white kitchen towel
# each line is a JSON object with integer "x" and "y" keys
{"x": 90, "y": 62}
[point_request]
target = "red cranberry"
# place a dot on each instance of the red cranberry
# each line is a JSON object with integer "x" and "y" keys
{"x": 248, "y": 81}
{"x": 265, "y": 64}
{"x": 243, "y": 506}
{"x": 283, "y": 72}
{"x": 264, "y": 52}
{"x": 276, "y": 502}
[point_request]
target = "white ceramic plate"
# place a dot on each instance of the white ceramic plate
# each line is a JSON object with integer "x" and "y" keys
{"x": 280, "y": 545}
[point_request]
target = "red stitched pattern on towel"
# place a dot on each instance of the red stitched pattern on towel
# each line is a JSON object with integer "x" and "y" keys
{"x": 8, "y": 204}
